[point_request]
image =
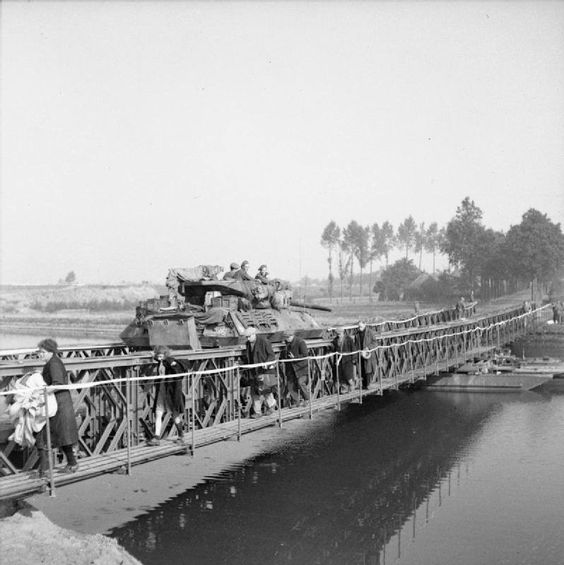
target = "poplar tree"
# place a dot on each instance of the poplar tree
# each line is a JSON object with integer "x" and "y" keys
{"x": 330, "y": 240}
{"x": 406, "y": 234}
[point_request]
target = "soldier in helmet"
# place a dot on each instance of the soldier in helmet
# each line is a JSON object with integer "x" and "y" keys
{"x": 243, "y": 273}
{"x": 232, "y": 273}
{"x": 262, "y": 274}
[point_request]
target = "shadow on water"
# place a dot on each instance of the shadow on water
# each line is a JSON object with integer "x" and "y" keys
{"x": 336, "y": 495}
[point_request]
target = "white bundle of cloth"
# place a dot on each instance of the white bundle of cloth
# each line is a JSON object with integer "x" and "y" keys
{"x": 27, "y": 408}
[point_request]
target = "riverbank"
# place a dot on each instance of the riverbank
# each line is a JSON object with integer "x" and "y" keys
{"x": 28, "y": 536}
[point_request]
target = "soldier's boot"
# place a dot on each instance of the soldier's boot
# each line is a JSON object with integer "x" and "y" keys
{"x": 180, "y": 429}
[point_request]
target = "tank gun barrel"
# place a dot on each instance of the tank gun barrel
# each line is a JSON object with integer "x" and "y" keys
{"x": 310, "y": 306}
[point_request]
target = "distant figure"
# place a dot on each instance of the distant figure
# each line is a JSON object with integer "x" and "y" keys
{"x": 232, "y": 273}
{"x": 346, "y": 362}
{"x": 64, "y": 433}
{"x": 168, "y": 392}
{"x": 557, "y": 312}
{"x": 262, "y": 274}
{"x": 243, "y": 273}
{"x": 297, "y": 373}
{"x": 365, "y": 342}
{"x": 263, "y": 378}
{"x": 460, "y": 307}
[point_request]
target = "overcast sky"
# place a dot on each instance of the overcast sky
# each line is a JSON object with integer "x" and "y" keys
{"x": 136, "y": 136}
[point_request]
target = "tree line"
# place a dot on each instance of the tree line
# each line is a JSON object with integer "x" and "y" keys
{"x": 488, "y": 262}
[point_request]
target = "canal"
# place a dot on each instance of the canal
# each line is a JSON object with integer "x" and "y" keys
{"x": 413, "y": 478}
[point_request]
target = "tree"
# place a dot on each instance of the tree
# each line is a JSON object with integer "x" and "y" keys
{"x": 495, "y": 265}
{"x": 70, "y": 278}
{"x": 350, "y": 239}
{"x": 432, "y": 240}
{"x": 362, "y": 250}
{"x": 356, "y": 239}
{"x": 344, "y": 259}
{"x": 388, "y": 240}
{"x": 535, "y": 247}
{"x": 329, "y": 240}
{"x": 377, "y": 249}
{"x": 420, "y": 241}
{"x": 406, "y": 234}
{"x": 465, "y": 241}
{"x": 397, "y": 277}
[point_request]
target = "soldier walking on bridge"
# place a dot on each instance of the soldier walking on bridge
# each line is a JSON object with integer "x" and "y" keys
{"x": 263, "y": 378}
{"x": 296, "y": 371}
{"x": 365, "y": 342}
{"x": 168, "y": 392}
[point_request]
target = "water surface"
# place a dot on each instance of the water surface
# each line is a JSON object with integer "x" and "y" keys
{"x": 412, "y": 478}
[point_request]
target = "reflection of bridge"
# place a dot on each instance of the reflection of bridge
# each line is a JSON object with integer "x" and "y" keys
{"x": 112, "y": 407}
{"x": 348, "y": 494}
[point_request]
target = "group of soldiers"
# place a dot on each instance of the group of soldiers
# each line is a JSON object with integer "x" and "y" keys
{"x": 356, "y": 362}
{"x": 241, "y": 273}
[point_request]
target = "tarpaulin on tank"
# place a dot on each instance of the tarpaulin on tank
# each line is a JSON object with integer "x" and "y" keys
{"x": 198, "y": 273}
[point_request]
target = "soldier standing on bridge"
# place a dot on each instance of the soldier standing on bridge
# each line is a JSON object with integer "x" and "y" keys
{"x": 365, "y": 342}
{"x": 168, "y": 392}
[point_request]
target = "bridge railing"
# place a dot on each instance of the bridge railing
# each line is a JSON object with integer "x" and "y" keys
{"x": 110, "y": 392}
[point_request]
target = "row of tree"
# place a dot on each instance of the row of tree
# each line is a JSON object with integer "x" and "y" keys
{"x": 531, "y": 250}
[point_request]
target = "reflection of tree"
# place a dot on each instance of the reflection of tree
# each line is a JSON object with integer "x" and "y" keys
{"x": 343, "y": 494}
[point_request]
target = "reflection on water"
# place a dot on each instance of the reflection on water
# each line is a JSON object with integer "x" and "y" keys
{"x": 412, "y": 478}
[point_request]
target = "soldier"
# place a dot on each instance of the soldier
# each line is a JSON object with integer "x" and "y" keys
{"x": 297, "y": 373}
{"x": 344, "y": 344}
{"x": 365, "y": 342}
{"x": 232, "y": 273}
{"x": 168, "y": 392}
{"x": 262, "y": 274}
{"x": 263, "y": 378}
{"x": 243, "y": 273}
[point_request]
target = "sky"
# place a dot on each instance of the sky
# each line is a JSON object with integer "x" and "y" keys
{"x": 138, "y": 136}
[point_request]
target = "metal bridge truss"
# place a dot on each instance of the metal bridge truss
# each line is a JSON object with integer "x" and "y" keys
{"x": 112, "y": 400}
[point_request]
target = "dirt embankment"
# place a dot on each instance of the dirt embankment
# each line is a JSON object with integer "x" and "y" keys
{"x": 89, "y": 309}
{"x": 28, "y": 536}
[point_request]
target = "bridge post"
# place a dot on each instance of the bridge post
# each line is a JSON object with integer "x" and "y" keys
{"x": 128, "y": 417}
{"x": 238, "y": 377}
{"x": 338, "y": 358}
{"x": 360, "y": 378}
{"x": 193, "y": 415}
{"x": 49, "y": 449}
{"x": 309, "y": 388}
{"x": 279, "y": 397}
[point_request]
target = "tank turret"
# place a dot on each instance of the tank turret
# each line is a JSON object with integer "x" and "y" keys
{"x": 202, "y": 311}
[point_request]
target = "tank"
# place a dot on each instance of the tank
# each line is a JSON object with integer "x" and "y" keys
{"x": 201, "y": 311}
